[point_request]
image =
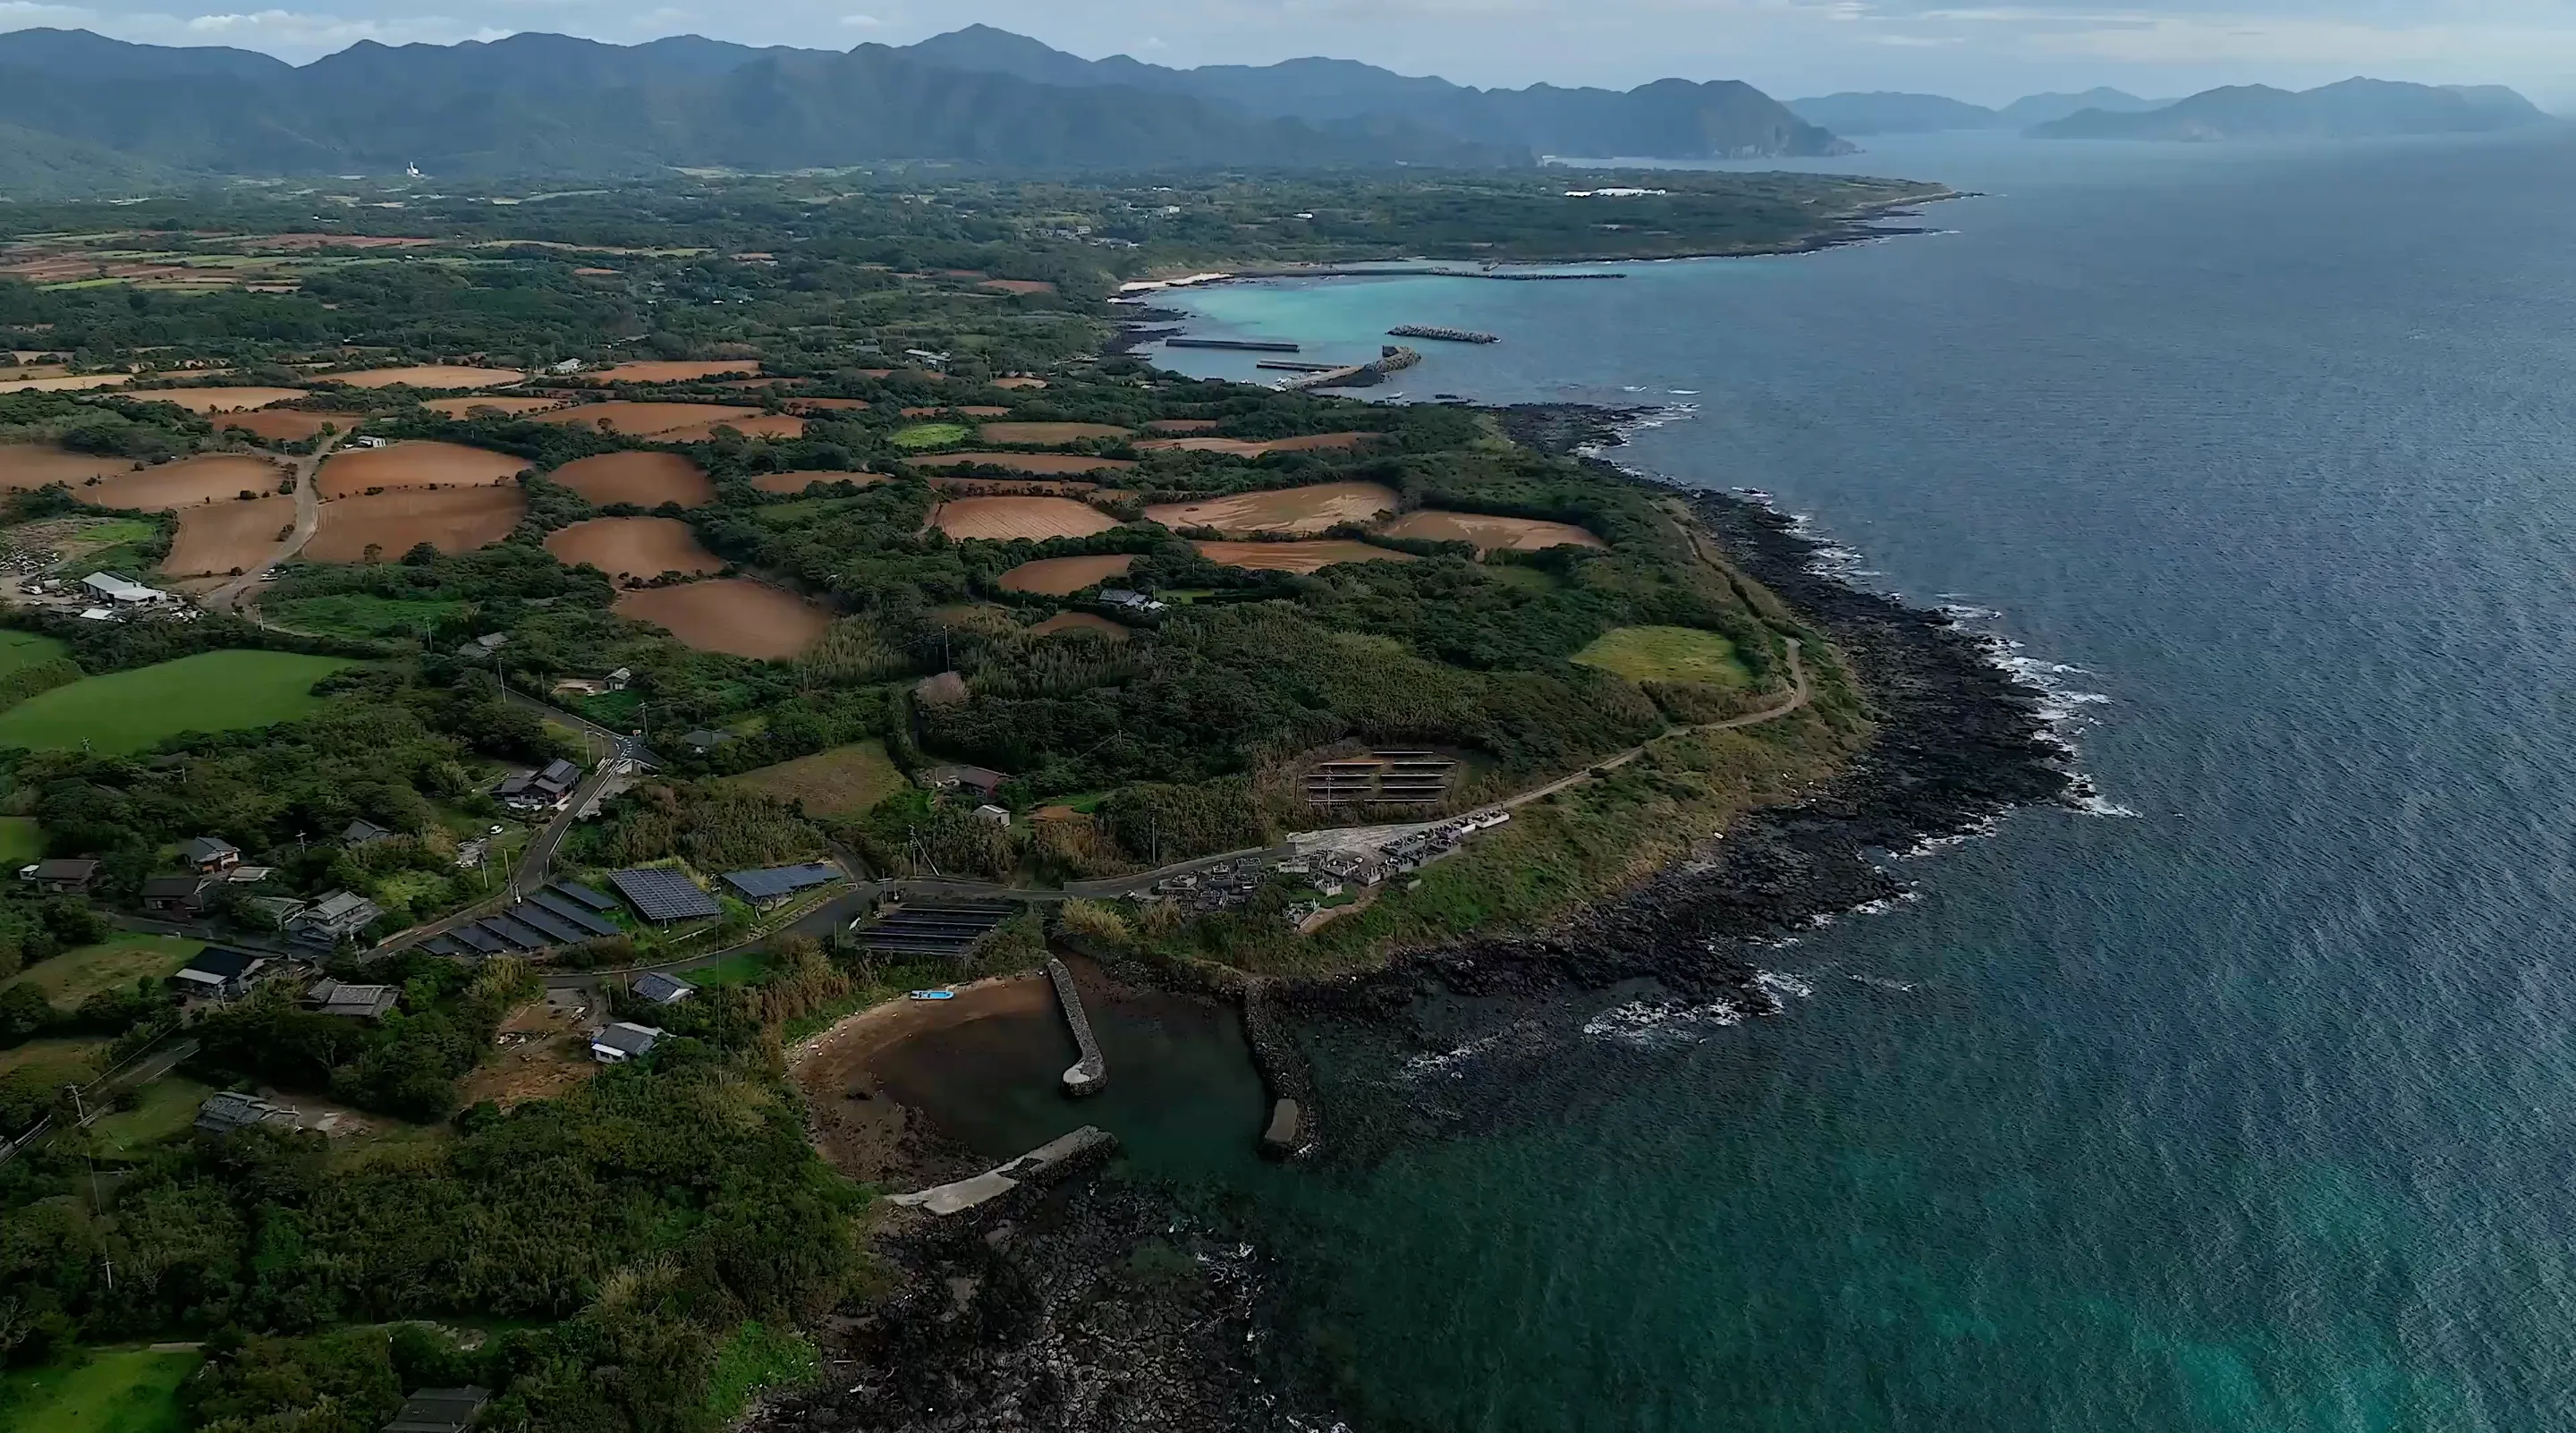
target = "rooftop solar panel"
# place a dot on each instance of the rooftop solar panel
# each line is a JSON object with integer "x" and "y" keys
{"x": 662, "y": 894}
{"x": 482, "y": 942}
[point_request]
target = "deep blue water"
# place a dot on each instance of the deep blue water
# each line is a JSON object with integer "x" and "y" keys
{"x": 2251, "y": 1110}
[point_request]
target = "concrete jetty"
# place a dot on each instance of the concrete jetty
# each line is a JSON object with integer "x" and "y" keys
{"x": 1090, "y": 1074}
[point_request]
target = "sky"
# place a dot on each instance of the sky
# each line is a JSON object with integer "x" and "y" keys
{"x": 1989, "y": 51}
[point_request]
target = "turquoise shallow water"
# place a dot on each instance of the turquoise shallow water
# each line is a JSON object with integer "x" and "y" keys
{"x": 2249, "y": 1111}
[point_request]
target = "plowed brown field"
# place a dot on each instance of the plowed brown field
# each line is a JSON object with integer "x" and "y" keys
{"x": 729, "y": 614}
{"x": 759, "y": 425}
{"x": 66, "y": 385}
{"x": 1022, "y": 382}
{"x": 429, "y": 375}
{"x": 1081, "y": 622}
{"x": 1048, "y": 432}
{"x": 644, "y": 479}
{"x": 453, "y": 519}
{"x": 652, "y": 371}
{"x": 1244, "y": 448}
{"x": 1002, "y": 519}
{"x": 1025, "y": 462}
{"x": 417, "y": 465}
{"x": 219, "y": 400}
{"x": 1292, "y": 510}
{"x": 285, "y": 425}
{"x": 1056, "y": 576}
{"x": 30, "y": 465}
{"x": 643, "y": 420}
{"x": 1295, "y": 556}
{"x": 1517, "y": 534}
{"x": 798, "y": 482}
{"x": 190, "y": 482}
{"x": 644, "y": 547}
{"x": 220, "y": 537}
{"x": 501, "y": 403}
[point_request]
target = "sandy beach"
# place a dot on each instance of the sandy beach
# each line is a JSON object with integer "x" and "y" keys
{"x": 859, "y": 1128}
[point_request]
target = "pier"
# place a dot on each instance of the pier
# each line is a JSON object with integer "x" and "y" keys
{"x": 1090, "y": 1074}
{"x": 1068, "y": 1154}
{"x": 1237, "y": 345}
{"x": 1286, "y": 366}
{"x": 1444, "y": 335}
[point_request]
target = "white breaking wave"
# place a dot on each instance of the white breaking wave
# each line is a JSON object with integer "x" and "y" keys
{"x": 1881, "y": 982}
{"x": 1784, "y": 986}
{"x": 1661, "y": 1022}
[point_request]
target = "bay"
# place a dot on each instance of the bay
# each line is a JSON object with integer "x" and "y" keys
{"x": 2246, "y": 1110}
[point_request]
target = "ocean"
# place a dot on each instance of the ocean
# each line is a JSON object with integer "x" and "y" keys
{"x": 2240, "y": 1100}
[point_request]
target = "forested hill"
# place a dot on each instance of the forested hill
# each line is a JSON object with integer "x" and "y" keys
{"x": 2353, "y": 109}
{"x": 87, "y": 112}
{"x": 1668, "y": 119}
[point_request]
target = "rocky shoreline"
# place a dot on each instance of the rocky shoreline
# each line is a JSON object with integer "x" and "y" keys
{"x": 1094, "y": 1306}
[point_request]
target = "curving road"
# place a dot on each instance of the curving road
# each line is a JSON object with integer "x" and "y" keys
{"x": 308, "y": 516}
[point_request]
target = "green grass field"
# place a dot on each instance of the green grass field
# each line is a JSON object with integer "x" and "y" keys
{"x": 739, "y": 969}
{"x": 130, "y": 711}
{"x": 26, "y": 649}
{"x": 169, "y": 1107}
{"x": 21, "y": 840}
{"x": 120, "y": 1391}
{"x": 53, "y": 1062}
{"x": 359, "y": 614}
{"x": 845, "y": 781}
{"x": 1667, "y": 654}
{"x": 76, "y": 975}
{"x": 929, "y": 435}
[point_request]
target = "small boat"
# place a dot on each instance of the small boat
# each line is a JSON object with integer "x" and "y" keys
{"x": 932, "y": 995}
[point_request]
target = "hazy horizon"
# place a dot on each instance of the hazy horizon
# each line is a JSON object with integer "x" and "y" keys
{"x": 1987, "y": 53}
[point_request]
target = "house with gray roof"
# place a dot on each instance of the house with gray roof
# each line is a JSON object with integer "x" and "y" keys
{"x": 616, "y": 1044}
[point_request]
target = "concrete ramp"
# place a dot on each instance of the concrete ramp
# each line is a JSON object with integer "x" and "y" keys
{"x": 1041, "y": 1166}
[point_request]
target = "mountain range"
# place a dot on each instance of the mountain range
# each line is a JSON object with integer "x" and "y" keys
{"x": 74, "y": 104}
{"x": 81, "y": 113}
{"x": 2353, "y": 109}
{"x": 1885, "y": 112}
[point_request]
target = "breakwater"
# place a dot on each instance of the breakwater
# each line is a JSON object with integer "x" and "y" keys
{"x": 1444, "y": 335}
{"x": 1090, "y": 1074}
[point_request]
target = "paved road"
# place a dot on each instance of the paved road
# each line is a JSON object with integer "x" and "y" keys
{"x": 308, "y": 516}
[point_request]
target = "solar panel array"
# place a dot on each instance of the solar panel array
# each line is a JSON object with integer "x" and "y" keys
{"x": 776, "y": 881}
{"x": 949, "y": 929}
{"x": 664, "y": 895}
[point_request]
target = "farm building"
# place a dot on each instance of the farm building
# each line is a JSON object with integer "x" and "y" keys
{"x": 354, "y": 1002}
{"x": 222, "y": 1114}
{"x": 1127, "y": 601}
{"x": 621, "y": 1042}
{"x": 363, "y": 832}
{"x": 210, "y": 853}
{"x": 535, "y": 791}
{"x": 177, "y": 895}
{"x": 218, "y": 973}
{"x": 123, "y": 591}
{"x": 663, "y": 989}
{"x": 336, "y": 917}
{"x": 60, "y": 877}
{"x": 775, "y": 884}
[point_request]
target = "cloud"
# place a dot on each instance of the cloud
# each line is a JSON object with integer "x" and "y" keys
{"x": 861, "y": 22}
